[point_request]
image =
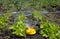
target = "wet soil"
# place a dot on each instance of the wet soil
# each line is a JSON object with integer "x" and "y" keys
{"x": 55, "y": 17}
{"x": 8, "y": 35}
{"x": 5, "y": 34}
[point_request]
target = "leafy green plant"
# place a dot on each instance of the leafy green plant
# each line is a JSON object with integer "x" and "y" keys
{"x": 18, "y": 4}
{"x": 19, "y": 26}
{"x": 53, "y": 2}
{"x": 0, "y": 1}
{"x": 58, "y": 35}
{"x": 44, "y": 3}
{"x": 49, "y": 30}
{"x": 3, "y": 20}
{"x": 36, "y": 4}
{"x": 37, "y": 15}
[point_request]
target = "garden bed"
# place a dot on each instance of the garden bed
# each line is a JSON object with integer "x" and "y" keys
{"x": 5, "y": 34}
{"x": 29, "y": 19}
{"x": 8, "y": 35}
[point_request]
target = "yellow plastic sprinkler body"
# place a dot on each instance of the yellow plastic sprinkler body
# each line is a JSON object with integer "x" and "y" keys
{"x": 31, "y": 30}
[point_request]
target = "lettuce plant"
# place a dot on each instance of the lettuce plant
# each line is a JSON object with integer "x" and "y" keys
{"x": 3, "y": 20}
{"x": 19, "y": 26}
{"x": 49, "y": 30}
{"x": 37, "y": 15}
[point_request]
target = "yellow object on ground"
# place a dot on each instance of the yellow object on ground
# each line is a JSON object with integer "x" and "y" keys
{"x": 31, "y": 31}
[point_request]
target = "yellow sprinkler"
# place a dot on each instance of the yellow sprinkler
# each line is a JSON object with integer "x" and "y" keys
{"x": 31, "y": 30}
